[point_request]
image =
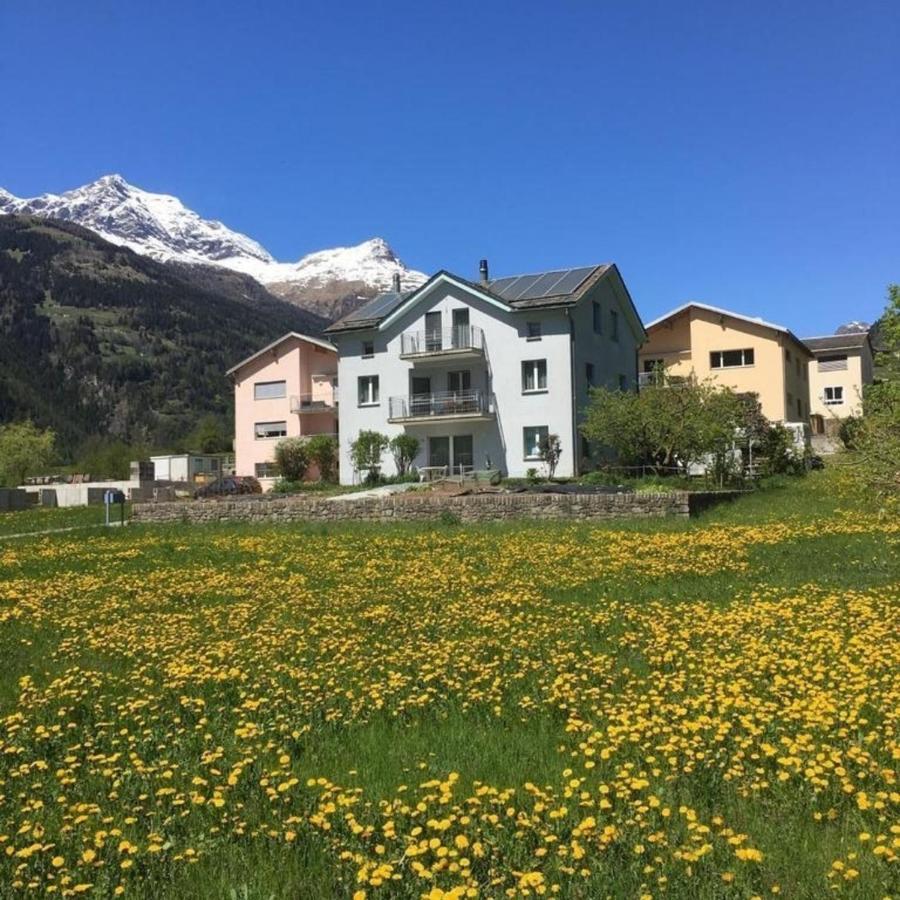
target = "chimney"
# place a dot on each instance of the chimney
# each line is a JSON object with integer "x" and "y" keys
{"x": 397, "y": 282}
{"x": 483, "y": 270}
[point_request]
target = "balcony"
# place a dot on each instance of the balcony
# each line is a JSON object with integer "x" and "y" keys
{"x": 443, "y": 407}
{"x": 320, "y": 402}
{"x": 458, "y": 342}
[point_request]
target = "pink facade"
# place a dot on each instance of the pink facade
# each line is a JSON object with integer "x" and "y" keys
{"x": 288, "y": 389}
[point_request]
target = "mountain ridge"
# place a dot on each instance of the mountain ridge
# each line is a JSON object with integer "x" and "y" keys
{"x": 327, "y": 282}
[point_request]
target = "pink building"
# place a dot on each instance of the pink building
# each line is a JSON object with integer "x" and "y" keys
{"x": 288, "y": 389}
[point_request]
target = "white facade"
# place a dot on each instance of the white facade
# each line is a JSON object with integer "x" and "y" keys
{"x": 478, "y": 381}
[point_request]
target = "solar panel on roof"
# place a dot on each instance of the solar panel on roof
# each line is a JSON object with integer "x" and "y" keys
{"x": 376, "y": 307}
{"x": 572, "y": 280}
{"x": 545, "y": 284}
{"x": 542, "y": 287}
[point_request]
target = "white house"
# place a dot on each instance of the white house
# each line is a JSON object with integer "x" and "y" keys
{"x": 481, "y": 371}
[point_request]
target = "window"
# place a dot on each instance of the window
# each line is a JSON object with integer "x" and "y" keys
{"x": 533, "y": 331}
{"x": 266, "y": 470}
{"x": 270, "y": 430}
{"x": 534, "y": 375}
{"x": 368, "y": 349}
{"x": 532, "y": 435}
{"x": 368, "y": 390}
{"x": 797, "y": 361}
{"x": 623, "y": 383}
{"x": 832, "y": 363}
{"x": 799, "y": 409}
{"x": 787, "y": 356}
{"x": 727, "y": 359}
{"x": 834, "y": 396}
{"x": 589, "y": 374}
{"x": 269, "y": 390}
{"x": 653, "y": 365}
{"x": 614, "y": 324}
{"x": 457, "y": 382}
{"x": 598, "y": 318}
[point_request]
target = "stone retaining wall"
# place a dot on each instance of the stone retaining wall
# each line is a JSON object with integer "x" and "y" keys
{"x": 424, "y": 507}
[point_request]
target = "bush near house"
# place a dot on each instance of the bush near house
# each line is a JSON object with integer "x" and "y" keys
{"x": 323, "y": 452}
{"x": 404, "y": 448}
{"x": 292, "y": 457}
{"x": 366, "y": 453}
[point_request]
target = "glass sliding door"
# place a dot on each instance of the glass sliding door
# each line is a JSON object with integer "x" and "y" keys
{"x": 463, "y": 455}
{"x": 433, "y": 331}
{"x": 439, "y": 451}
{"x": 460, "y": 331}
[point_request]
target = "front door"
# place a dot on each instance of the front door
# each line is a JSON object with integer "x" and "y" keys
{"x": 463, "y": 457}
{"x": 438, "y": 451}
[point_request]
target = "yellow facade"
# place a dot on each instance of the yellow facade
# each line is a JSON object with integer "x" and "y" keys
{"x": 684, "y": 343}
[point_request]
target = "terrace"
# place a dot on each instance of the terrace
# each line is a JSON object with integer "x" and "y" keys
{"x": 457, "y": 342}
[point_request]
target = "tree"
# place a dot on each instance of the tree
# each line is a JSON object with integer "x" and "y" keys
{"x": 366, "y": 452}
{"x": 323, "y": 451}
{"x": 404, "y": 448}
{"x": 292, "y": 457}
{"x": 667, "y": 424}
{"x": 208, "y": 436}
{"x": 875, "y": 461}
{"x": 550, "y": 450}
{"x": 24, "y": 450}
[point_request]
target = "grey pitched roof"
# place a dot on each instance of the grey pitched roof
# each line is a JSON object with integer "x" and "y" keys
{"x": 854, "y": 341}
{"x": 560, "y": 287}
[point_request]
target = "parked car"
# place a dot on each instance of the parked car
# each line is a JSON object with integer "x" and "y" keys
{"x": 229, "y": 486}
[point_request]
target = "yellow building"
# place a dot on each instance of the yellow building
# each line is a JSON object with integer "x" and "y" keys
{"x": 837, "y": 375}
{"x": 748, "y": 355}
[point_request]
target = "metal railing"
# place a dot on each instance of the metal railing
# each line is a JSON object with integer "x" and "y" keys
{"x": 313, "y": 403}
{"x": 446, "y": 403}
{"x": 442, "y": 340}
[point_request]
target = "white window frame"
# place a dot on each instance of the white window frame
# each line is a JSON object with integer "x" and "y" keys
{"x": 542, "y": 431}
{"x": 837, "y": 395}
{"x": 531, "y": 370}
{"x": 264, "y": 384}
{"x": 266, "y": 465}
{"x": 741, "y": 365}
{"x": 280, "y": 432}
{"x": 372, "y": 391}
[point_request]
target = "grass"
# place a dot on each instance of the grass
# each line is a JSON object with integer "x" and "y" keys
{"x": 697, "y": 709}
{"x": 42, "y": 518}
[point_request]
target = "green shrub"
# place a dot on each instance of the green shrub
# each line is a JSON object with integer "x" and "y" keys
{"x": 404, "y": 448}
{"x": 292, "y": 456}
{"x": 323, "y": 451}
{"x": 366, "y": 452}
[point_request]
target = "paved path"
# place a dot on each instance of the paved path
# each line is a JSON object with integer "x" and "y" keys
{"x": 383, "y": 490}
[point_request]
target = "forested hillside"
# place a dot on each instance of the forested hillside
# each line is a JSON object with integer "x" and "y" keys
{"x": 97, "y": 340}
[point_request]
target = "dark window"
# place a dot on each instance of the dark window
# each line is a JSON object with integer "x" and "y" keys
{"x": 589, "y": 373}
{"x": 533, "y": 331}
{"x": 598, "y": 318}
{"x": 614, "y": 324}
{"x": 723, "y": 359}
{"x": 534, "y": 375}
{"x": 368, "y": 348}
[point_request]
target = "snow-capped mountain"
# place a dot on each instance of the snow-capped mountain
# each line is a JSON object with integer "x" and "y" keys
{"x": 162, "y": 227}
{"x": 855, "y": 327}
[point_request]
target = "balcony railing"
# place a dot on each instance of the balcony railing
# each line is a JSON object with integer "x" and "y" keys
{"x": 322, "y": 401}
{"x": 459, "y": 339}
{"x": 447, "y": 404}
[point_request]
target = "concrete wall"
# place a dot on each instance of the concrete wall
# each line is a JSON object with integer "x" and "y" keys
{"x": 81, "y": 494}
{"x": 305, "y": 368}
{"x": 423, "y": 507}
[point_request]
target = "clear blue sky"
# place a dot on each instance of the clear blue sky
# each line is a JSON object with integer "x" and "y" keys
{"x": 745, "y": 155}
